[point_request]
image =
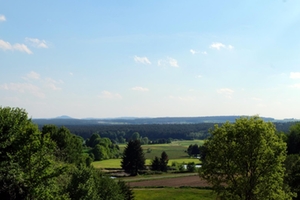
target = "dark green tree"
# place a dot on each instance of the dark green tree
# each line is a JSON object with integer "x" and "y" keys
{"x": 164, "y": 159}
{"x": 133, "y": 158}
{"x": 244, "y": 160}
{"x": 155, "y": 164}
{"x": 292, "y": 178}
{"x": 293, "y": 139}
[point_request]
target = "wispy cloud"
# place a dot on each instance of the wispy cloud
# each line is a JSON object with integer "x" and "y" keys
{"x": 143, "y": 60}
{"x": 36, "y": 42}
{"x": 196, "y": 52}
{"x": 2, "y": 18}
{"x": 218, "y": 46}
{"x": 141, "y": 89}
{"x": 256, "y": 99}
{"x": 24, "y": 88}
{"x": 168, "y": 62}
{"x": 226, "y": 91}
{"x": 295, "y": 75}
{"x": 18, "y": 47}
{"x": 32, "y": 75}
{"x": 109, "y": 95}
{"x": 52, "y": 84}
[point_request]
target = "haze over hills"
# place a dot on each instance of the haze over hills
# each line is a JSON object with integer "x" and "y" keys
{"x": 67, "y": 120}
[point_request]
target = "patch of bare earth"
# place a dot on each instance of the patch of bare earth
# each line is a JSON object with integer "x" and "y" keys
{"x": 192, "y": 181}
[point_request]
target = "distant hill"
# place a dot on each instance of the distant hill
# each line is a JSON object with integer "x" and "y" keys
{"x": 66, "y": 120}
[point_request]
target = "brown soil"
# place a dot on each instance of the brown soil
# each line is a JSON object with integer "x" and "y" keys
{"x": 192, "y": 181}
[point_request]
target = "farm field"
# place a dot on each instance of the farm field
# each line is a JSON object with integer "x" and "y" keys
{"x": 173, "y": 194}
{"x": 175, "y": 151}
{"x": 116, "y": 163}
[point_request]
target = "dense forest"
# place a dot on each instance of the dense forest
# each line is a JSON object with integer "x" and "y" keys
{"x": 154, "y": 132}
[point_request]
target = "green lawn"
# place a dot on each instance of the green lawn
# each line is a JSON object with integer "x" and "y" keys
{"x": 173, "y": 193}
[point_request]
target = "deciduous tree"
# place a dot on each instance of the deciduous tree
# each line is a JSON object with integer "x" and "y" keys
{"x": 244, "y": 161}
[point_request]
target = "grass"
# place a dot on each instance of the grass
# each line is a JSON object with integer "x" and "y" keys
{"x": 173, "y": 193}
{"x": 175, "y": 150}
{"x": 116, "y": 163}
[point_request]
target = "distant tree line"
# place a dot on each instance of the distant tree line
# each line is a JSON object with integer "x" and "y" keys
{"x": 156, "y": 133}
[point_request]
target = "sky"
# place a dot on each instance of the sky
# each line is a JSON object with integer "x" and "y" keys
{"x": 151, "y": 58}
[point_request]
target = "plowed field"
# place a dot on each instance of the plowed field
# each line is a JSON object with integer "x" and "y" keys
{"x": 192, "y": 181}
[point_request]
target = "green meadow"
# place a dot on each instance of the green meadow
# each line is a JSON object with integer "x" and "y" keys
{"x": 175, "y": 150}
{"x": 173, "y": 194}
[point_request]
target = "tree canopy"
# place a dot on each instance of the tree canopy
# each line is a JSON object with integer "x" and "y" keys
{"x": 244, "y": 160}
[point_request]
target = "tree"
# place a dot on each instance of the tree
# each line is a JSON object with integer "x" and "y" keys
{"x": 293, "y": 139}
{"x": 292, "y": 164}
{"x": 155, "y": 164}
{"x": 133, "y": 158}
{"x": 27, "y": 166}
{"x": 244, "y": 160}
{"x": 164, "y": 161}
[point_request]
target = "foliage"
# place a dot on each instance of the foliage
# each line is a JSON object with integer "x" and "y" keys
{"x": 164, "y": 161}
{"x": 244, "y": 160}
{"x": 293, "y": 140}
{"x": 292, "y": 164}
{"x": 191, "y": 167}
{"x": 69, "y": 146}
{"x": 102, "y": 148}
{"x": 27, "y": 167}
{"x": 48, "y": 164}
{"x": 133, "y": 158}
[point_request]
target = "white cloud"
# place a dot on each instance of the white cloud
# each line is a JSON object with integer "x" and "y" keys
{"x": 226, "y": 91}
{"x": 295, "y": 75}
{"x": 193, "y": 51}
{"x": 168, "y": 62}
{"x": 32, "y": 75}
{"x": 24, "y": 88}
{"x": 19, "y": 47}
{"x": 218, "y": 46}
{"x": 199, "y": 76}
{"x": 140, "y": 89}
{"x": 52, "y": 84}
{"x": 109, "y": 95}
{"x": 2, "y": 18}
{"x": 36, "y": 42}
{"x": 143, "y": 60}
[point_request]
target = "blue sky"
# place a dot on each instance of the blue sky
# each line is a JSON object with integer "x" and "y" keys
{"x": 151, "y": 58}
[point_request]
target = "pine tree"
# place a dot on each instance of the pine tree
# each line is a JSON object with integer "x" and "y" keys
{"x": 133, "y": 158}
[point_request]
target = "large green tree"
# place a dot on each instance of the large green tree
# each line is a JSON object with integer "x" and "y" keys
{"x": 244, "y": 160}
{"x": 133, "y": 158}
{"x": 27, "y": 166}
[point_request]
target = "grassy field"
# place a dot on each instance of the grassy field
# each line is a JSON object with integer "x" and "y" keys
{"x": 175, "y": 150}
{"x": 173, "y": 193}
{"x": 116, "y": 163}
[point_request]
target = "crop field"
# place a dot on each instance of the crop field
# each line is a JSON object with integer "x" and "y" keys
{"x": 173, "y": 194}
